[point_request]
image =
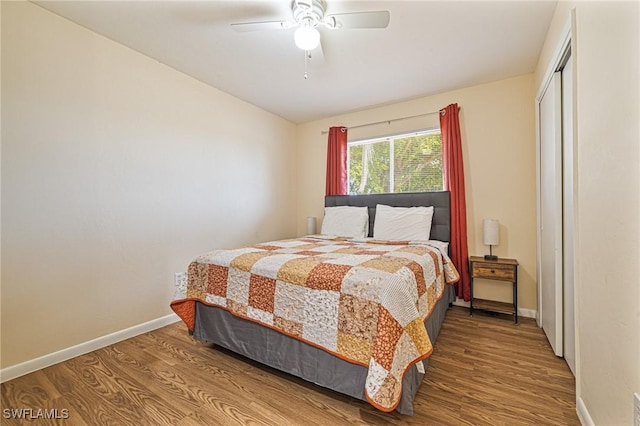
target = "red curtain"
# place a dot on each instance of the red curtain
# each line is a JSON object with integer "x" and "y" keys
{"x": 337, "y": 161}
{"x": 454, "y": 182}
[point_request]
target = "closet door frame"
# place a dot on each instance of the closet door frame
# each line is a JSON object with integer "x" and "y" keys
{"x": 558, "y": 58}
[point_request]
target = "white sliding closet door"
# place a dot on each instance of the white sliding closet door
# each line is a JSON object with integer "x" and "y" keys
{"x": 569, "y": 346}
{"x": 550, "y": 280}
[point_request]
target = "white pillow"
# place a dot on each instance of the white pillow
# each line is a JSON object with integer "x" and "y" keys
{"x": 402, "y": 223}
{"x": 346, "y": 221}
{"x": 442, "y": 245}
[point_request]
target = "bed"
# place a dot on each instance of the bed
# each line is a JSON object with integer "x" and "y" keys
{"x": 307, "y": 306}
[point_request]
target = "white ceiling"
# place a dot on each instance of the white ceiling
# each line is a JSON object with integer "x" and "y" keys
{"x": 428, "y": 47}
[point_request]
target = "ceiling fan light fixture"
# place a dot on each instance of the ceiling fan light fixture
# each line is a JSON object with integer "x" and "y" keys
{"x": 306, "y": 37}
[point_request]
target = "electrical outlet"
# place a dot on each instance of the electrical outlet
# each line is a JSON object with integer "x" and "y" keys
{"x": 636, "y": 409}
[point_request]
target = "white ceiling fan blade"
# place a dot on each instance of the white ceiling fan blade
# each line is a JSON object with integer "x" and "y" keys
{"x": 261, "y": 26}
{"x": 378, "y": 19}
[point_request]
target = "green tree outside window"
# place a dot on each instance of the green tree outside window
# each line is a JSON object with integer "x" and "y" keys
{"x": 406, "y": 163}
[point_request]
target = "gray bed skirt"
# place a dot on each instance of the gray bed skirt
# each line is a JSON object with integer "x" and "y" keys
{"x": 292, "y": 356}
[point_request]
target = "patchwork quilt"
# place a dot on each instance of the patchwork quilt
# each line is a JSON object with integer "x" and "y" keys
{"x": 364, "y": 302}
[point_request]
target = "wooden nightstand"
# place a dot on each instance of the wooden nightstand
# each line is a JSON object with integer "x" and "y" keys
{"x": 501, "y": 270}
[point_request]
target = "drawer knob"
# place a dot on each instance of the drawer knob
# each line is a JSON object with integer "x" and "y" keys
{"x": 493, "y": 271}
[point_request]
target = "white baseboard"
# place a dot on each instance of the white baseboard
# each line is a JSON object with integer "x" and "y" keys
{"x": 460, "y": 302}
{"x": 44, "y": 361}
{"x": 526, "y": 313}
{"x": 583, "y": 413}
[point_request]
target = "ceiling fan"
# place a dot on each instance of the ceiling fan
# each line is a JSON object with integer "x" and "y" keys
{"x": 308, "y": 15}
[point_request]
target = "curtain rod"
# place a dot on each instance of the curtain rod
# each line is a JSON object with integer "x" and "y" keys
{"x": 324, "y": 132}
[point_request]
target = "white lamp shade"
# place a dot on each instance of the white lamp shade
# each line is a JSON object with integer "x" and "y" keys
{"x": 307, "y": 38}
{"x": 311, "y": 225}
{"x": 491, "y": 232}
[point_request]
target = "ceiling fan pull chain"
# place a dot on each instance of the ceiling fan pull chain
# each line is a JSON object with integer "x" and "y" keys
{"x": 306, "y": 75}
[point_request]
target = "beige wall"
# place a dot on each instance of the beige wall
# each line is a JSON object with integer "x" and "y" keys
{"x": 607, "y": 145}
{"x": 116, "y": 172}
{"x": 0, "y": 172}
{"x": 498, "y": 136}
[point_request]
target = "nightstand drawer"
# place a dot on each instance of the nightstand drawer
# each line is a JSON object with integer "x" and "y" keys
{"x": 493, "y": 271}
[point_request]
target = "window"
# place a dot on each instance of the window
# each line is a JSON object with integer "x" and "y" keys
{"x": 404, "y": 163}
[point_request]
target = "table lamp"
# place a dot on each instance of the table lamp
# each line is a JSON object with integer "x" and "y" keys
{"x": 311, "y": 225}
{"x": 491, "y": 236}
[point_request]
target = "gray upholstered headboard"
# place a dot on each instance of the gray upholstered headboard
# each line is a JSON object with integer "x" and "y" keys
{"x": 440, "y": 224}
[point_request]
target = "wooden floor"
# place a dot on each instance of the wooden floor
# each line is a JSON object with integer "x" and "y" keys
{"x": 484, "y": 370}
